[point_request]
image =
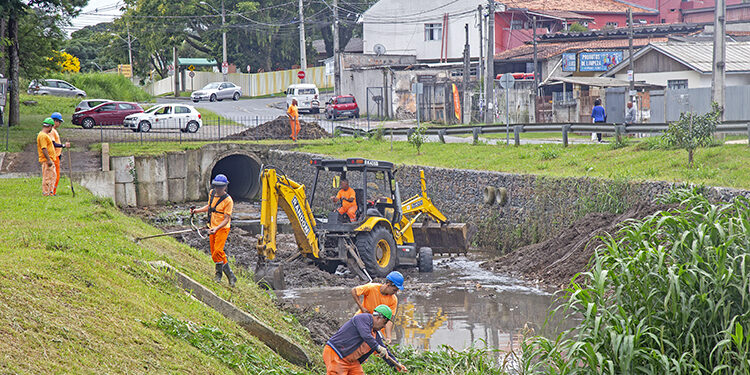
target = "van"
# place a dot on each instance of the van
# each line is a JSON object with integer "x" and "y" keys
{"x": 307, "y": 96}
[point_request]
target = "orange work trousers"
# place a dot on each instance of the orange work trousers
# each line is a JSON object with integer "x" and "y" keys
{"x": 217, "y": 241}
{"x": 351, "y": 211}
{"x": 48, "y": 179}
{"x": 295, "y": 128}
{"x": 57, "y": 172}
{"x": 337, "y": 366}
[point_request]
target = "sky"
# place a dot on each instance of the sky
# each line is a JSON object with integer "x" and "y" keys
{"x": 95, "y": 12}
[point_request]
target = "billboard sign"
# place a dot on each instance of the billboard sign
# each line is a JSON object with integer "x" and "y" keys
{"x": 569, "y": 62}
{"x": 598, "y": 61}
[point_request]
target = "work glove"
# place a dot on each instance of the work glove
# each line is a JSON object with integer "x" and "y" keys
{"x": 382, "y": 351}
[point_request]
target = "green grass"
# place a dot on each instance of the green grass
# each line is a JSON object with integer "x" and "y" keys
{"x": 210, "y": 118}
{"x": 105, "y": 86}
{"x": 32, "y": 117}
{"x": 75, "y": 295}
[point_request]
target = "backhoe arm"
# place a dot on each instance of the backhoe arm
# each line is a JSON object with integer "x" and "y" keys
{"x": 281, "y": 191}
{"x": 422, "y": 204}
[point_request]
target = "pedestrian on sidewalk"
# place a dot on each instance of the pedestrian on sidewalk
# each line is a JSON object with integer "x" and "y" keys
{"x": 630, "y": 113}
{"x": 376, "y": 294}
{"x": 219, "y": 208}
{"x": 356, "y": 340}
{"x": 57, "y": 118}
{"x": 598, "y": 116}
{"x": 46, "y": 150}
{"x": 293, "y": 113}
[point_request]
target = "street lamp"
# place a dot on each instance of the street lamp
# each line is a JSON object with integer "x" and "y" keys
{"x": 223, "y": 36}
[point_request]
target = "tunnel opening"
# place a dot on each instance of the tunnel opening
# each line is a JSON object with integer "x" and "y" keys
{"x": 242, "y": 172}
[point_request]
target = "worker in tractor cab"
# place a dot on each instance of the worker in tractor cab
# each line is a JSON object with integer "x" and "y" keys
{"x": 348, "y": 199}
{"x": 356, "y": 340}
{"x": 375, "y": 294}
{"x": 219, "y": 210}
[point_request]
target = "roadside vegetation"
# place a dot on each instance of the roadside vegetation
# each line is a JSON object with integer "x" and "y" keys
{"x": 104, "y": 86}
{"x": 665, "y": 295}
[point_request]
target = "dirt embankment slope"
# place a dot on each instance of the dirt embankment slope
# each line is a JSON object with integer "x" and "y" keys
{"x": 554, "y": 262}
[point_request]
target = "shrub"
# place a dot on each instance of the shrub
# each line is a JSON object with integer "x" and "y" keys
{"x": 548, "y": 154}
{"x": 693, "y": 130}
{"x": 418, "y": 138}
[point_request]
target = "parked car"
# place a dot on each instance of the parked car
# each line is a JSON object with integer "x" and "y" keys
{"x": 166, "y": 116}
{"x": 108, "y": 113}
{"x": 343, "y": 105}
{"x": 90, "y": 103}
{"x": 54, "y": 87}
{"x": 217, "y": 91}
{"x": 306, "y": 95}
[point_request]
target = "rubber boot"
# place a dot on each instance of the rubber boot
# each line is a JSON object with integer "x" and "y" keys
{"x": 217, "y": 277}
{"x": 230, "y": 275}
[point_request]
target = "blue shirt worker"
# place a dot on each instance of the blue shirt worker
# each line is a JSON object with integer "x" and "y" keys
{"x": 356, "y": 340}
{"x": 598, "y": 115}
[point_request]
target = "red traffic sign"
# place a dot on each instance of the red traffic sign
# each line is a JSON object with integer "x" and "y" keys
{"x": 225, "y": 64}
{"x": 301, "y": 74}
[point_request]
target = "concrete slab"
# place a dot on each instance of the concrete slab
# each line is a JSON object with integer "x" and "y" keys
{"x": 123, "y": 168}
{"x": 176, "y": 165}
{"x": 101, "y": 184}
{"x": 125, "y": 195}
{"x": 176, "y": 189}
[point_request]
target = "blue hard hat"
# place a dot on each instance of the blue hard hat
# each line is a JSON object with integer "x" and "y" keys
{"x": 56, "y": 116}
{"x": 220, "y": 180}
{"x": 397, "y": 279}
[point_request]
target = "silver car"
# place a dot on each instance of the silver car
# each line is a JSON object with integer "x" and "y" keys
{"x": 56, "y": 87}
{"x": 217, "y": 91}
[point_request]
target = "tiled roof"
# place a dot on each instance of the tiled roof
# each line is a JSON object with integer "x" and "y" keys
{"x": 574, "y": 5}
{"x": 548, "y": 50}
{"x": 561, "y": 14}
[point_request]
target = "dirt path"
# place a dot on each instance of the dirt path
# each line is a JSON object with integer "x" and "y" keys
{"x": 554, "y": 262}
{"x": 83, "y": 160}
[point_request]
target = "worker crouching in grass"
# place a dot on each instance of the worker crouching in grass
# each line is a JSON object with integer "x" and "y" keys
{"x": 375, "y": 294}
{"x": 46, "y": 150}
{"x": 356, "y": 340}
{"x": 219, "y": 210}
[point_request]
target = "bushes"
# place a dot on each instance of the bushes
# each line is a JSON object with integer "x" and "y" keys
{"x": 105, "y": 86}
{"x": 666, "y": 295}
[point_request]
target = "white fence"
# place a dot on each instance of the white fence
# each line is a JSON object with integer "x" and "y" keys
{"x": 256, "y": 84}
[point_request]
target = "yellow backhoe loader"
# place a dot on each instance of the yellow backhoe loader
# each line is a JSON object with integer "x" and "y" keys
{"x": 386, "y": 233}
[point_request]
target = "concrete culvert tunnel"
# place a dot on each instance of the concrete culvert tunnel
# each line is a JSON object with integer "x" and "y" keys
{"x": 242, "y": 170}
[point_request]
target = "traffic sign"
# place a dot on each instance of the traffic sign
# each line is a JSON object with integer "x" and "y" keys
{"x": 191, "y": 74}
{"x": 248, "y": 68}
{"x": 507, "y": 81}
{"x": 191, "y": 68}
{"x": 224, "y": 69}
{"x": 224, "y": 64}
{"x": 301, "y": 74}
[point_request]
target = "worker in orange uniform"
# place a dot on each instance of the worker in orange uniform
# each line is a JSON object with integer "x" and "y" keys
{"x": 219, "y": 210}
{"x": 293, "y": 113}
{"x": 356, "y": 340}
{"x": 375, "y": 294}
{"x": 46, "y": 150}
{"x": 347, "y": 197}
{"x": 57, "y": 118}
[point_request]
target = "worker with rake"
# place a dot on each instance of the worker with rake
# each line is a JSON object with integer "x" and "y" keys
{"x": 356, "y": 340}
{"x": 57, "y": 118}
{"x": 375, "y": 294}
{"x": 219, "y": 210}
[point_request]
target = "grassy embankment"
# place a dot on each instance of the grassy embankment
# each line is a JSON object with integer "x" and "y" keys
{"x": 73, "y": 297}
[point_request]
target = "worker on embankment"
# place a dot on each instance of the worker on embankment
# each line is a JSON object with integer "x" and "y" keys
{"x": 375, "y": 294}
{"x": 57, "y": 118}
{"x": 219, "y": 210}
{"x": 356, "y": 340}
{"x": 46, "y": 150}
{"x": 293, "y": 113}
{"x": 347, "y": 197}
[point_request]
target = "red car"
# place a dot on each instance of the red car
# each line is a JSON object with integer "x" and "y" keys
{"x": 110, "y": 113}
{"x": 343, "y": 105}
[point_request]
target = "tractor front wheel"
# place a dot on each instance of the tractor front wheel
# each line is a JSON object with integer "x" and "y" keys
{"x": 377, "y": 249}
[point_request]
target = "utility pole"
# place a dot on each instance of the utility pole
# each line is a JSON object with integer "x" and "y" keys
{"x": 336, "y": 52}
{"x": 223, "y": 41}
{"x": 130, "y": 53}
{"x": 720, "y": 53}
{"x": 630, "y": 54}
{"x": 489, "y": 85}
{"x": 302, "y": 46}
{"x": 467, "y": 76}
{"x": 536, "y": 73}
{"x": 176, "y": 72}
{"x": 480, "y": 74}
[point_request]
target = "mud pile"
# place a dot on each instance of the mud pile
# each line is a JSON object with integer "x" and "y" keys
{"x": 554, "y": 262}
{"x": 280, "y": 128}
{"x": 321, "y": 325}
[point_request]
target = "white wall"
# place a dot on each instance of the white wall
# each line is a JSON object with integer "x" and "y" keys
{"x": 694, "y": 78}
{"x": 399, "y": 26}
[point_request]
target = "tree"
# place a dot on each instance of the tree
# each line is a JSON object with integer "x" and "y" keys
{"x": 693, "y": 130}
{"x": 418, "y": 137}
{"x": 65, "y": 62}
{"x": 576, "y": 27}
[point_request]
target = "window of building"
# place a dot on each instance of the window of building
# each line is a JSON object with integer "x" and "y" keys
{"x": 516, "y": 25}
{"x": 433, "y": 31}
{"x": 612, "y": 24}
{"x": 677, "y": 84}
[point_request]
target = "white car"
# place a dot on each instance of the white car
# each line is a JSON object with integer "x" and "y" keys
{"x": 217, "y": 91}
{"x": 166, "y": 116}
{"x": 306, "y": 95}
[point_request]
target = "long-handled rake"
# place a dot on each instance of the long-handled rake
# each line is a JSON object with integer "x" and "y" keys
{"x": 193, "y": 227}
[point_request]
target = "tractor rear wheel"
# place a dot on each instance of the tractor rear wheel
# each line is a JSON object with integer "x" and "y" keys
{"x": 378, "y": 251}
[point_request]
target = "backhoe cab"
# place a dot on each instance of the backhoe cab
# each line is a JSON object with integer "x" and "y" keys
{"x": 386, "y": 233}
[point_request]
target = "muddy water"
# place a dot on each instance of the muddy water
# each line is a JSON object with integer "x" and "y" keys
{"x": 458, "y": 305}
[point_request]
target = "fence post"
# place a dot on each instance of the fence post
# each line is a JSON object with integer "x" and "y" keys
{"x": 101, "y": 133}
{"x": 618, "y": 133}
{"x": 441, "y": 135}
{"x": 517, "y": 134}
{"x": 475, "y": 134}
{"x": 141, "y": 131}
{"x": 565, "y": 130}
{"x": 218, "y": 119}
{"x": 748, "y": 134}
{"x": 179, "y": 125}
{"x": 7, "y": 131}
{"x": 256, "y": 121}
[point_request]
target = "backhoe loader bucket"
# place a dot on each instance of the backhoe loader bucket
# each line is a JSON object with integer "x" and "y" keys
{"x": 443, "y": 239}
{"x": 270, "y": 275}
